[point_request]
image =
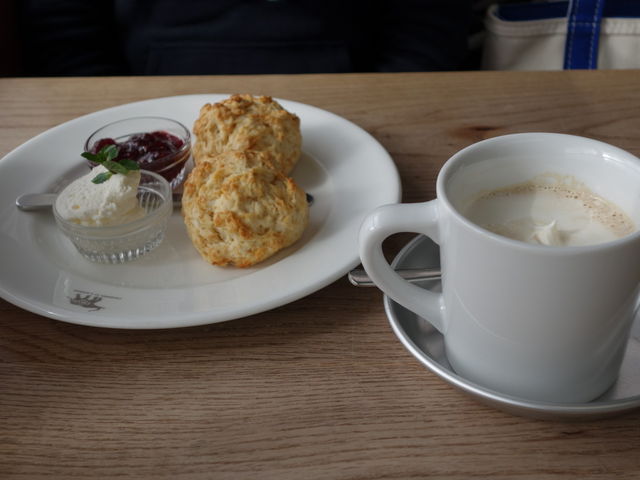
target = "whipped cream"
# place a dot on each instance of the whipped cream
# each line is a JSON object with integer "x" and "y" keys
{"x": 113, "y": 202}
{"x": 547, "y": 234}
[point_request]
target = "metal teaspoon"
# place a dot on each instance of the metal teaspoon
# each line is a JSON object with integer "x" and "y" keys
{"x": 359, "y": 277}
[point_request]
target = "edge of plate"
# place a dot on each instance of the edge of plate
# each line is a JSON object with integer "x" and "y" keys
{"x": 195, "y": 319}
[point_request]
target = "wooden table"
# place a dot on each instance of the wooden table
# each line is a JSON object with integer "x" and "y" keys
{"x": 320, "y": 388}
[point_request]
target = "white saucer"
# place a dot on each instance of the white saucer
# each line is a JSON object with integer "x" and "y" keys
{"x": 426, "y": 344}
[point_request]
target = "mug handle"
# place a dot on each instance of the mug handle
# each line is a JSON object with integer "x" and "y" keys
{"x": 380, "y": 224}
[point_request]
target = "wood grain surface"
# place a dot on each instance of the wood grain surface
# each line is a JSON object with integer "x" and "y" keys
{"x": 319, "y": 388}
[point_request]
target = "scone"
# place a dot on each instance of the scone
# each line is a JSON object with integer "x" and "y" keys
{"x": 245, "y": 122}
{"x": 241, "y": 160}
{"x": 238, "y": 211}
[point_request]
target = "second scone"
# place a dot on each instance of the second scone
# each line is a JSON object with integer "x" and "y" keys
{"x": 239, "y": 211}
{"x": 246, "y": 122}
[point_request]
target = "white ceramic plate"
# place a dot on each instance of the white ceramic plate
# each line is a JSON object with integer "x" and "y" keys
{"x": 345, "y": 169}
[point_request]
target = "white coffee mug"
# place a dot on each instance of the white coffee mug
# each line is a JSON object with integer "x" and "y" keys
{"x": 544, "y": 323}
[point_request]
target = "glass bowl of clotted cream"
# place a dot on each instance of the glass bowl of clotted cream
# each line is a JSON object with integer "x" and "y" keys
{"x": 117, "y": 220}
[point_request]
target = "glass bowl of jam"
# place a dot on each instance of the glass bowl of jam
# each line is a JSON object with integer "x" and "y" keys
{"x": 157, "y": 144}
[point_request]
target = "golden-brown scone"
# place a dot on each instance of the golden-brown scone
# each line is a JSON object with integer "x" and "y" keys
{"x": 240, "y": 159}
{"x": 245, "y": 122}
{"x": 239, "y": 211}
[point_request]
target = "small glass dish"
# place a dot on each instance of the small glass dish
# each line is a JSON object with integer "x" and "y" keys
{"x": 167, "y": 155}
{"x": 128, "y": 241}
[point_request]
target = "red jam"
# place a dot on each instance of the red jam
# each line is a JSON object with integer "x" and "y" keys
{"x": 158, "y": 151}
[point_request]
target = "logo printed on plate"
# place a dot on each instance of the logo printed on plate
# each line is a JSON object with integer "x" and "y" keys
{"x": 89, "y": 300}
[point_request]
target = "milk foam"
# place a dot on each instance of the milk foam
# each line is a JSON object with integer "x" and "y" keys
{"x": 549, "y": 210}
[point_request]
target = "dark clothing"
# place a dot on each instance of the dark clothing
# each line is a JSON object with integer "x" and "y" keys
{"x": 164, "y": 37}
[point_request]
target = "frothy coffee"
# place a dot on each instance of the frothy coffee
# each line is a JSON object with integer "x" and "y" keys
{"x": 549, "y": 210}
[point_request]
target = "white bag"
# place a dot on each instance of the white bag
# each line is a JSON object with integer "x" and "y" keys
{"x": 556, "y": 35}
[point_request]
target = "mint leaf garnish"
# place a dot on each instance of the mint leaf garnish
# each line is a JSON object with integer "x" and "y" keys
{"x": 110, "y": 152}
{"x": 90, "y": 156}
{"x": 115, "y": 167}
{"x": 102, "y": 177}
{"x": 107, "y": 158}
{"x": 130, "y": 164}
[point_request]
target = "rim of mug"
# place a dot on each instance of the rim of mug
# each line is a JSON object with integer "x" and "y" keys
{"x": 449, "y": 168}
